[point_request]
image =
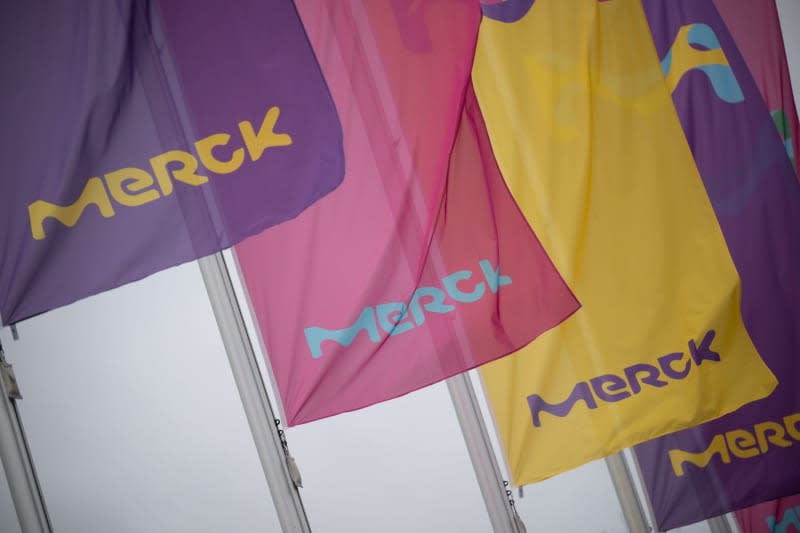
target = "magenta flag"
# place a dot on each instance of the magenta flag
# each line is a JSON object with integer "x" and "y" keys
{"x": 776, "y": 516}
{"x": 420, "y": 265}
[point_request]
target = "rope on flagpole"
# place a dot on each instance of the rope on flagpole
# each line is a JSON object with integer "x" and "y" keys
{"x": 502, "y": 513}
{"x": 281, "y": 472}
{"x": 294, "y": 471}
{"x": 517, "y": 519}
{"x": 622, "y": 480}
{"x": 15, "y": 454}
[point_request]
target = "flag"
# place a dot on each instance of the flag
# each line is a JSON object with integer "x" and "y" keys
{"x": 587, "y": 137}
{"x": 756, "y": 29}
{"x": 139, "y": 135}
{"x": 420, "y": 265}
{"x": 751, "y": 455}
{"x": 777, "y": 516}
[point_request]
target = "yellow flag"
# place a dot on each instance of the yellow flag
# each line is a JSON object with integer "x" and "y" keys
{"x": 588, "y": 139}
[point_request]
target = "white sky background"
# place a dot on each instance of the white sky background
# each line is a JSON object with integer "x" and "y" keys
{"x": 136, "y": 427}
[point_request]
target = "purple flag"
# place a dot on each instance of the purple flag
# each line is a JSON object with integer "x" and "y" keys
{"x": 139, "y": 135}
{"x": 752, "y": 454}
{"x": 765, "y": 56}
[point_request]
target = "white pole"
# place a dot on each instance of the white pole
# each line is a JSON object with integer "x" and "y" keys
{"x": 628, "y": 498}
{"x": 484, "y": 462}
{"x": 462, "y": 393}
{"x": 254, "y": 397}
{"x": 719, "y": 524}
{"x": 17, "y": 460}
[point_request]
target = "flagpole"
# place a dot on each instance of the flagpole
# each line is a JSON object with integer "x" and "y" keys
{"x": 628, "y": 498}
{"x": 257, "y": 407}
{"x": 16, "y": 457}
{"x": 719, "y": 524}
{"x": 501, "y": 515}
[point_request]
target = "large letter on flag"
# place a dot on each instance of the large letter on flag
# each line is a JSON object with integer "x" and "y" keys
{"x": 139, "y": 135}
{"x": 751, "y": 455}
{"x": 420, "y": 265}
{"x": 587, "y": 137}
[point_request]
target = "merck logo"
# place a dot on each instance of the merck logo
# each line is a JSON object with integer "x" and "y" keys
{"x": 741, "y": 443}
{"x": 791, "y": 517}
{"x": 696, "y": 47}
{"x": 132, "y": 187}
{"x": 613, "y": 388}
{"x": 393, "y": 317}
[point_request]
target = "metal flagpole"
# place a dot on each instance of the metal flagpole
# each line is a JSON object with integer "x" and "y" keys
{"x": 501, "y": 514}
{"x": 17, "y": 461}
{"x": 719, "y": 524}
{"x": 628, "y": 498}
{"x": 278, "y": 467}
{"x": 503, "y": 517}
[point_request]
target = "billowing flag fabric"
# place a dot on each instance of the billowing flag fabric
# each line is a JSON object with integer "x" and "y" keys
{"x": 751, "y": 455}
{"x": 588, "y": 139}
{"x": 756, "y": 30}
{"x": 420, "y": 265}
{"x": 776, "y": 516}
{"x": 139, "y": 135}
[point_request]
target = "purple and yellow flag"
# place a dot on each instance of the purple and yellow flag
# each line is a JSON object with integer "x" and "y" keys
{"x": 140, "y": 135}
{"x": 588, "y": 139}
{"x": 751, "y": 455}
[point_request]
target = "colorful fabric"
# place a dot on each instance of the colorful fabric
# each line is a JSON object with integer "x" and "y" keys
{"x": 139, "y": 135}
{"x": 587, "y": 137}
{"x": 777, "y": 516}
{"x": 746, "y": 457}
{"x": 756, "y": 30}
{"x": 420, "y": 265}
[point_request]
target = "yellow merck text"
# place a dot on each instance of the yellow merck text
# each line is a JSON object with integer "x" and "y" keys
{"x": 741, "y": 443}
{"x": 132, "y": 187}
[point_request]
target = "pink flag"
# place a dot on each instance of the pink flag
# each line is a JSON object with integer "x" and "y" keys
{"x": 420, "y": 265}
{"x": 776, "y": 516}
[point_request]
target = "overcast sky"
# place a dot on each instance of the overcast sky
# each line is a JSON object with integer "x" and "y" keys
{"x": 136, "y": 427}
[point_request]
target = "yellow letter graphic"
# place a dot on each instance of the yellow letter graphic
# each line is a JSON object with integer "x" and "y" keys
{"x": 186, "y": 174}
{"x": 266, "y": 138}
{"x": 683, "y": 57}
{"x": 717, "y": 446}
{"x": 738, "y": 439}
{"x": 93, "y": 193}
{"x": 770, "y": 432}
{"x": 204, "y": 150}
{"x": 134, "y": 193}
{"x": 791, "y": 424}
